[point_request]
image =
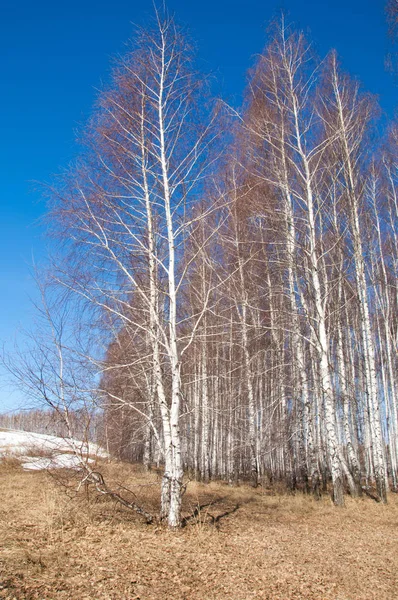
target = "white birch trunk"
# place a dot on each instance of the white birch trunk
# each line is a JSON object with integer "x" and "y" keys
{"x": 368, "y": 345}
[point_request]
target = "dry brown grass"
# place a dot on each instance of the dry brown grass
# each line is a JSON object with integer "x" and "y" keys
{"x": 54, "y": 546}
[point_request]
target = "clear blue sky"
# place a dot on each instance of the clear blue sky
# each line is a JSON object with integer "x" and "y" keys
{"x": 54, "y": 55}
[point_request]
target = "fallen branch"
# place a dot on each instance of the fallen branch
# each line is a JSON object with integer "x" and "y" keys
{"x": 98, "y": 481}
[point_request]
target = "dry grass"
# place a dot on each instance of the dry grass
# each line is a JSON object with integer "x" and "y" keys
{"x": 54, "y": 546}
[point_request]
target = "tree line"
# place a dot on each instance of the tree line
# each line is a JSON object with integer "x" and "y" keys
{"x": 233, "y": 273}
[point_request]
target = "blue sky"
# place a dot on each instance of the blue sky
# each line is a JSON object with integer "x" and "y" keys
{"x": 56, "y": 54}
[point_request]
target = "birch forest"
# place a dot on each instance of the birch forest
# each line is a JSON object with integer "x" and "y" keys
{"x": 235, "y": 272}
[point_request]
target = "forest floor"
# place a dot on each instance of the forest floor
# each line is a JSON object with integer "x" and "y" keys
{"x": 242, "y": 543}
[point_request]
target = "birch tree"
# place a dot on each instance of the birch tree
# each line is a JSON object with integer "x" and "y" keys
{"x": 244, "y": 310}
{"x": 128, "y": 208}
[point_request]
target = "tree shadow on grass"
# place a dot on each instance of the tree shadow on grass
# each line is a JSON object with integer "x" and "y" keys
{"x": 204, "y": 516}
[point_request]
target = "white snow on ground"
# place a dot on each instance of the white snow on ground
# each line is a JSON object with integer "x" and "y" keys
{"x": 60, "y": 461}
{"x": 64, "y": 452}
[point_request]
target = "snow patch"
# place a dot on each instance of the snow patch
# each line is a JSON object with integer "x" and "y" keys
{"x": 61, "y": 461}
{"x": 63, "y": 452}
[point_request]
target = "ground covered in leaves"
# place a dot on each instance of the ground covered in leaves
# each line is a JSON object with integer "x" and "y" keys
{"x": 240, "y": 544}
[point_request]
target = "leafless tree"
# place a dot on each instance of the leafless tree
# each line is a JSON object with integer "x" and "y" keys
{"x": 128, "y": 208}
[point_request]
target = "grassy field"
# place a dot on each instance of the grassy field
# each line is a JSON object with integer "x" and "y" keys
{"x": 241, "y": 544}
